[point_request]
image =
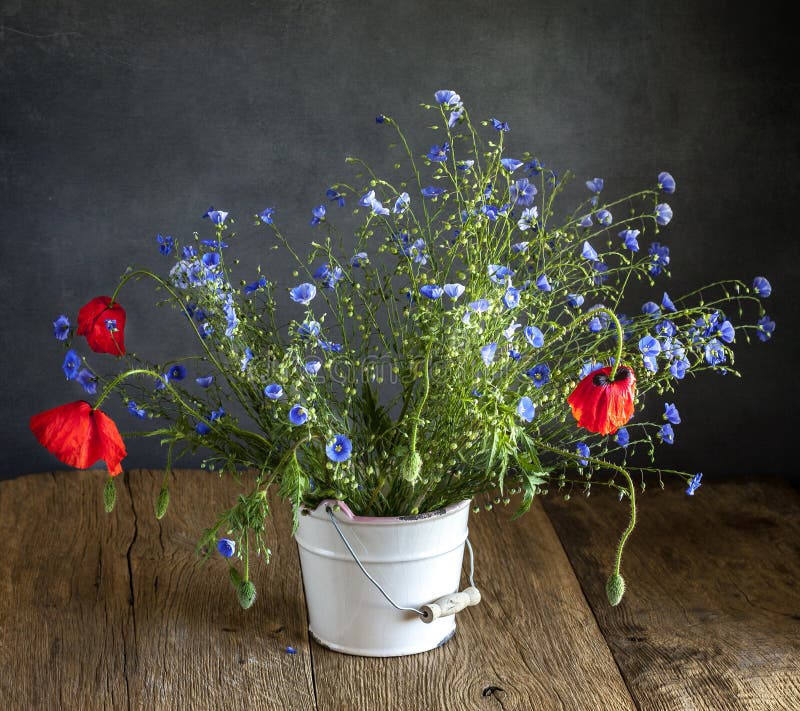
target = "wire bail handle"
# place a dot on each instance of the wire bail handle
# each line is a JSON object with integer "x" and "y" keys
{"x": 444, "y": 606}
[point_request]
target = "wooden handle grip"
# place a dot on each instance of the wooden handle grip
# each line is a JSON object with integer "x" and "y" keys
{"x": 450, "y": 604}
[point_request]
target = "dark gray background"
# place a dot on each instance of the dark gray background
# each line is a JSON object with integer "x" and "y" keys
{"x": 121, "y": 120}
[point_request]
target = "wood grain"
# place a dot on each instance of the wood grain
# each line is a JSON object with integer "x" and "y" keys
{"x": 114, "y": 611}
{"x": 532, "y": 643}
{"x": 711, "y": 619}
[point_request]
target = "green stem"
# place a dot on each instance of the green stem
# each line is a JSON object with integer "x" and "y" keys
{"x": 631, "y": 493}
{"x": 620, "y": 335}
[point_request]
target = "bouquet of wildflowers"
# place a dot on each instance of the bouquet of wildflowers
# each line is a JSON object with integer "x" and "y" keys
{"x": 451, "y": 334}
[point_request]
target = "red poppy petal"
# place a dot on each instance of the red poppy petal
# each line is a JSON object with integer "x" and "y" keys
{"x": 80, "y": 436}
{"x": 92, "y": 320}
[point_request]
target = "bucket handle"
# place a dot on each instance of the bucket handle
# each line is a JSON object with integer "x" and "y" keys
{"x": 444, "y": 606}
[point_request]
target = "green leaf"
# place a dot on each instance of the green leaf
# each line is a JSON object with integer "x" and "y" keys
{"x": 293, "y": 487}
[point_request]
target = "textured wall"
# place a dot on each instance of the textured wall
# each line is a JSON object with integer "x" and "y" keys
{"x": 120, "y": 120}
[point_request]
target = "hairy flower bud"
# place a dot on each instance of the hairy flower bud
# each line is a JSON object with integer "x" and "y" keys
{"x": 109, "y": 495}
{"x": 246, "y": 594}
{"x": 412, "y": 467}
{"x": 162, "y": 502}
{"x": 615, "y": 588}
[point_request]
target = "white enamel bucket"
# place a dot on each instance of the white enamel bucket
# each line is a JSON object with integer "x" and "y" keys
{"x": 416, "y": 560}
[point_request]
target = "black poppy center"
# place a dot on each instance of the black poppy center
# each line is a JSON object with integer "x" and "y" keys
{"x": 601, "y": 379}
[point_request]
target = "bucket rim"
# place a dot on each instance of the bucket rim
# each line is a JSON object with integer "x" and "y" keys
{"x": 350, "y": 517}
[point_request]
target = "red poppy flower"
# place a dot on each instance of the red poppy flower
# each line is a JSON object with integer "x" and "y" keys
{"x": 603, "y": 405}
{"x": 80, "y": 436}
{"x": 103, "y": 324}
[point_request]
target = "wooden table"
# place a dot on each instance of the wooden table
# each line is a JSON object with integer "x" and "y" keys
{"x": 114, "y": 611}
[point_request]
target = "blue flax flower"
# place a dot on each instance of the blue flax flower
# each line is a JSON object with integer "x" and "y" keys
{"x": 88, "y": 380}
{"x": 522, "y": 192}
{"x": 622, "y": 437}
{"x": 317, "y": 215}
{"x": 659, "y": 258}
{"x": 330, "y": 346}
{"x": 649, "y": 346}
{"x": 663, "y": 214}
{"x": 540, "y": 374}
{"x": 583, "y": 450}
{"x": 430, "y": 191}
{"x": 542, "y": 284}
{"x": 480, "y": 306}
{"x": 766, "y": 327}
{"x": 226, "y": 547}
{"x": 498, "y": 273}
{"x": 334, "y": 195}
{"x": 298, "y": 415}
{"x": 61, "y": 328}
{"x": 694, "y": 484}
{"x": 204, "y": 381}
{"x": 487, "y": 353}
{"x": 511, "y": 297}
{"x": 528, "y": 218}
{"x": 511, "y": 330}
{"x": 726, "y": 331}
{"x": 534, "y": 336}
{"x": 575, "y": 300}
{"x": 604, "y": 217}
{"x": 189, "y": 252}
{"x": 136, "y": 411}
{"x": 273, "y": 391}
{"x": 665, "y": 329}
{"x": 510, "y": 164}
{"x": 71, "y": 365}
{"x": 401, "y": 204}
{"x": 465, "y": 165}
{"x": 255, "y": 286}
{"x": 359, "y": 259}
{"x": 380, "y": 118}
{"x": 588, "y": 252}
{"x": 671, "y": 413}
{"x": 165, "y": 244}
{"x": 431, "y": 291}
{"x": 454, "y": 291}
{"x": 312, "y": 366}
{"x": 534, "y": 167}
{"x": 678, "y": 368}
{"x": 500, "y": 125}
{"x": 176, "y": 372}
{"x": 666, "y": 434}
{"x": 595, "y": 185}
{"x": 447, "y": 97}
{"x": 762, "y": 287}
{"x": 246, "y": 358}
{"x": 218, "y": 217}
{"x": 338, "y": 448}
{"x": 303, "y": 294}
{"x": 586, "y": 221}
{"x": 629, "y": 239}
{"x": 526, "y": 409}
{"x": 266, "y": 216}
{"x": 519, "y": 247}
{"x": 666, "y": 303}
{"x": 666, "y": 183}
{"x": 714, "y": 352}
{"x": 437, "y": 153}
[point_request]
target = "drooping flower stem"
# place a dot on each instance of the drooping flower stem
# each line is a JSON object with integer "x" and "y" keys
{"x": 631, "y": 495}
{"x": 620, "y": 335}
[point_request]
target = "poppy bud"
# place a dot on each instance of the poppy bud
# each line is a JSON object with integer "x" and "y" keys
{"x": 615, "y": 588}
{"x": 412, "y": 467}
{"x": 162, "y": 502}
{"x": 246, "y": 594}
{"x": 109, "y": 495}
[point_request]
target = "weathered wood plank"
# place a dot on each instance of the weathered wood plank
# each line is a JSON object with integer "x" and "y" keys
{"x": 114, "y": 611}
{"x": 66, "y": 627}
{"x": 532, "y": 643}
{"x": 195, "y": 647}
{"x": 711, "y": 619}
